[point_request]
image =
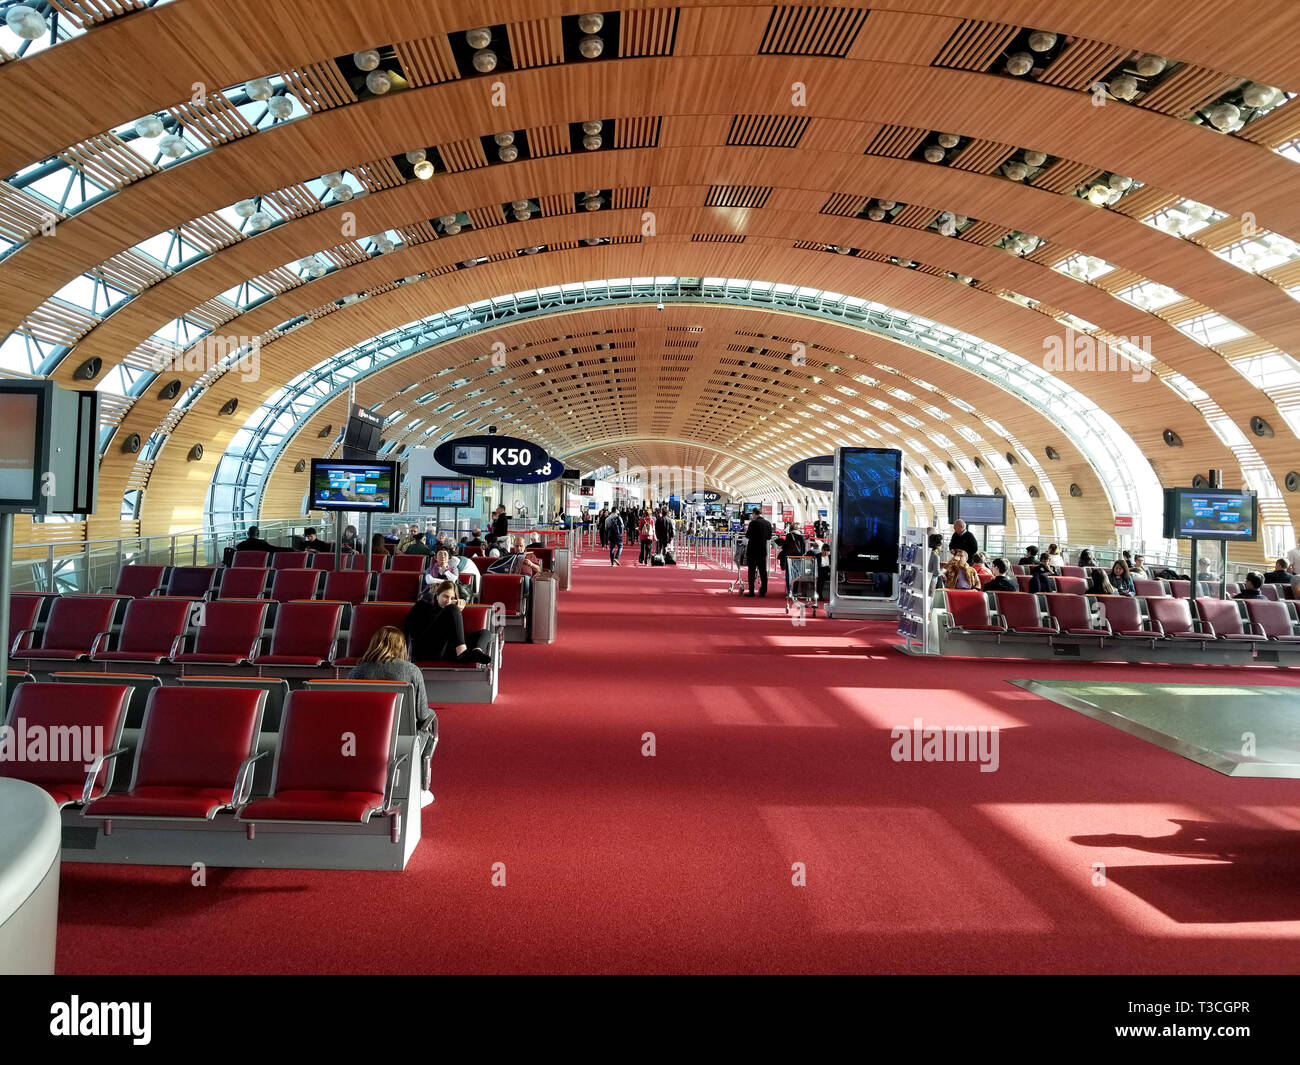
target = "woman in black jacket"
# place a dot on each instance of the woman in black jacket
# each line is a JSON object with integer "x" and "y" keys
{"x": 437, "y": 630}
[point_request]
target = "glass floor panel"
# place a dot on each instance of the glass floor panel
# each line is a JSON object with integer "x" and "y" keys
{"x": 1237, "y": 730}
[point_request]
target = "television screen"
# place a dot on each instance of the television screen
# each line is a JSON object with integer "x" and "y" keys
{"x": 446, "y": 492}
{"x": 817, "y": 471}
{"x": 341, "y": 485}
{"x": 1210, "y": 514}
{"x": 713, "y": 508}
{"x": 470, "y": 456}
{"x": 978, "y": 510}
{"x": 19, "y": 424}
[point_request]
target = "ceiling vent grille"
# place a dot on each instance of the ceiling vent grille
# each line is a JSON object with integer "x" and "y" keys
{"x": 738, "y": 195}
{"x": 767, "y": 131}
{"x": 828, "y": 31}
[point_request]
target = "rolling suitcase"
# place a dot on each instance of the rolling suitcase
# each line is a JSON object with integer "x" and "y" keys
{"x": 542, "y": 615}
{"x": 656, "y": 560}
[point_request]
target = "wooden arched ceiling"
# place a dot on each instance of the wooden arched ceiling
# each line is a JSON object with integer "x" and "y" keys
{"x": 740, "y": 180}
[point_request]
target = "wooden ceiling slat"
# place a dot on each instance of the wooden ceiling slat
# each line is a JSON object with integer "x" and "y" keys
{"x": 427, "y": 60}
{"x": 485, "y": 217}
{"x": 320, "y": 86}
{"x": 637, "y": 132}
{"x": 536, "y": 43}
{"x": 1277, "y": 127}
{"x": 1063, "y": 176}
{"x": 1186, "y": 90}
{"x": 975, "y": 44}
{"x": 1081, "y": 62}
{"x": 647, "y": 32}
{"x": 897, "y": 142}
{"x": 983, "y": 157}
{"x": 548, "y": 140}
{"x": 463, "y": 155}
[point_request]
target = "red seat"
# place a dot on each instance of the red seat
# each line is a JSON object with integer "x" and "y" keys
{"x": 317, "y": 778}
{"x": 23, "y": 613}
{"x": 546, "y": 556}
{"x": 347, "y": 586}
{"x": 475, "y": 619}
{"x": 77, "y": 626}
{"x": 1147, "y": 588}
{"x": 482, "y": 562}
{"x": 1018, "y": 570}
{"x": 1021, "y": 613}
{"x": 1071, "y": 585}
{"x": 1272, "y": 591}
{"x": 1074, "y": 571}
{"x": 241, "y": 582}
{"x": 228, "y": 633}
{"x": 1222, "y": 619}
{"x": 505, "y": 588}
{"x": 1072, "y": 614}
{"x": 1173, "y": 617}
{"x": 249, "y": 560}
{"x": 409, "y": 563}
{"x": 1271, "y": 621}
{"x": 472, "y": 552}
{"x": 304, "y": 635}
{"x": 397, "y": 586}
{"x": 1180, "y": 589}
{"x": 1023, "y": 581}
{"x": 194, "y": 756}
{"x": 290, "y": 584}
{"x": 368, "y": 619}
{"x": 1124, "y": 617}
{"x": 968, "y": 611}
{"x": 323, "y": 560}
{"x": 369, "y": 563}
{"x": 191, "y": 582}
{"x": 289, "y": 560}
{"x": 152, "y": 631}
{"x": 139, "y": 581}
{"x": 86, "y": 718}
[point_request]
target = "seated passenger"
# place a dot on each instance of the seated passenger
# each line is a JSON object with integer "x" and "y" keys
{"x": 978, "y": 564}
{"x": 958, "y": 573}
{"x": 386, "y": 659}
{"x": 1085, "y": 559}
{"x": 443, "y": 568}
{"x": 311, "y": 542}
{"x": 1031, "y": 556}
{"x": 1040, "y": 577}
{"x": 1053, "y": 558}
{"x": 1121, "y": 579}
{"x": 1098, "y": 584}
{"x": 517, "y": 561}
{"x": 417, "y": 546}
{"x": 1001, "y": 582}
{"x": 1251, "y": 588}
{"x": 1138, "y": 569}
{"x": 1203, "y": 571}
{"x": 437, "y": 630}
{"x": 1279, "y": 575}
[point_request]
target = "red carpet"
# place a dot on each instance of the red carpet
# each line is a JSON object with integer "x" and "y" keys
{"x": 773, "y": 747}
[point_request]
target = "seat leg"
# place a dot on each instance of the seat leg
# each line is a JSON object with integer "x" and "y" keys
{"x": 251, "y": 831}
{"x": 396, "y": 834}
{"x": 108, "y": 827}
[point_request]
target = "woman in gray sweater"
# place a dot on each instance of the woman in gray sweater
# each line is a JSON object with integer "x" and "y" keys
{"x": 386, "y": 659}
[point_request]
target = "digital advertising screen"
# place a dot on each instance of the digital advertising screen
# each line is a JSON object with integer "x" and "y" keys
{"x": 354, "y": 486}
{"x": 823, "y": 472}
{"x": 866, "y": 527}
{"x": 20, "y": 415}
{"x": 468, "y": 455}
{"x": 446, "y": 492}
{"x": 1210, "y": 514}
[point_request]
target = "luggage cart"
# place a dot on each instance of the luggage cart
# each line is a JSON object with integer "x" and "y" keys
{"x": 803, "y": 582}
{"x": 740, "y": 554}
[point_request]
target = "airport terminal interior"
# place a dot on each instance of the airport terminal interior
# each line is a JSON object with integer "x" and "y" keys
{"x": 865, "y": 440}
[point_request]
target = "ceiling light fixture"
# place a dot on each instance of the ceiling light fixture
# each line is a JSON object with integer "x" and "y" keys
{"x": 26, "y": 22}
{"x": 259, "y": 89}
{"x": 1015, "y": 170}
{"x": 246, "y": 208}
{"x": 1041, "y": 41}
{"x": 260, "y": 221}
{"x": 173, "y": 146}
{"x": 333, "y": 179}
{"x": 1256, "y": 95}
{"x": 948, "y": 140}
{"x": 478, "y": 38}
{"x": 424, "y": 170}
{"x": 367, "y": 60}
{"x": 149, "y": 127}
{"x": 592, "y": 23}
{"x": 1019, "y": 64}
{"x": 934, "y": 154}
{"x": 378, "y": 82}
{"x": 280, "y": 107}
{"x": 1123, "y": 87}
{"x": 1225, "y": 117}
{"x": 1035, "y": 158}
{"x": 343, "y": 193}
{"x": 485, "y": 61}
{"x": 1151, "y": 65}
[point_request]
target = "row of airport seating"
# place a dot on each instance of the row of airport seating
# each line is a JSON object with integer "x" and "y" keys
{"x": 196, "y": 751}
{"x": 325, "y": 560}
{"x": 179, "y": 635}
{"x": 1149, "y": 588}
{"x": 1143, "y": 623}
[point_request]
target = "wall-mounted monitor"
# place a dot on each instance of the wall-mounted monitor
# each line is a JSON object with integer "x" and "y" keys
{"x": 978, "y": 510}
{"x": 353, "y": 485}
{"x": 825, "y": 472}
{"x": 1211, "y": 514}
{"x": 48, "y": 455}
{"x": 446, "y": 491}
{"x": 471, "y": 455}
{"x": 22, "y": 417}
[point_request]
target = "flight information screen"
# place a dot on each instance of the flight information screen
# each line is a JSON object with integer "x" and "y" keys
{"x": 446, "y": 492}
{"x": 1215, "y": 515}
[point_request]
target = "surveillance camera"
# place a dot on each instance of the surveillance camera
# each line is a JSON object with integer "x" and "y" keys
{"x": 661, "y": 306}
{"x": 491, "y": 430}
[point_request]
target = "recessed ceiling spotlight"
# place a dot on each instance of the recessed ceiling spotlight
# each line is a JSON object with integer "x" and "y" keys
{"x": 424, "y": 170}
{"x": 1123, "y": 86}
{"x": 1041, "y": 41}
{"x": 378, "y": 82}
{"x": 485, "y": 61}
{"x": 478, "y": 38}
{"x": 1020, "y": 63}
{"x": 591, "y": 47}
{"x": 1151, "y": 65}
{"x": 259, "y": 89}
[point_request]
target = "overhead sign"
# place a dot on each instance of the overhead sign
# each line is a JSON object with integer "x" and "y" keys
{"x": 1123, "y": 521}
{"x": 705, "y": 496}
{"x": 817, "y": 473}
{"x": 501, "y": 458}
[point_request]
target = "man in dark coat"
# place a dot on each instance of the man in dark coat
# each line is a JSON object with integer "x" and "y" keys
{"x": 963, "y": 540}
{"x": 758, "y": 534}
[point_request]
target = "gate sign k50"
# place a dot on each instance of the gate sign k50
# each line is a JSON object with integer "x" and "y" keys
{"x": 499, "y": 458}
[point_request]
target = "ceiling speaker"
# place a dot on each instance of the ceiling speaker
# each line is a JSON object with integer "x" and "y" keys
{"x": 1033, "y": 491}
{"x": 1076, "y": 491}
{"x": 325, "y": 432}
{"x": 997, "y": 489}
{"x": 171, "y": 389}
{"x": 951, "y": 466}
{"x": 1172, "y": 438}
{"x": 1293, "y": 481}
{"x": 89, "y": 369}
{"x": 131, "y": 444}
{"x": 1011, "y": 459}
{"x": 1199, "y": 481}
{"x": 196, "y": 453}
{"x": 300, "y": 466}
{"x": 1260, "y": 427}
{"x": 977, "y": 462}
{"x": 230, "y": 406}
{"x": 1053, "y": 454}
{"x": 926, "y": 468}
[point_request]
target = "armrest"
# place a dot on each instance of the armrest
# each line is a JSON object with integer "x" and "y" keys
{"x": 999, "y": 620}
{"x": 17, "y": 638}
{"x": 390, "y": 785}
{"x": 1156, "y": 626}
{"x": 1257, "y": 629}
{"x": 1205, "y": 629}
{"x": 1053, "y": 623}
{"x": 239, "y": 796}
{"x": 178, "y": 644}
{"x": 95, "y": 648}
{"x": 93, "y": 772}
